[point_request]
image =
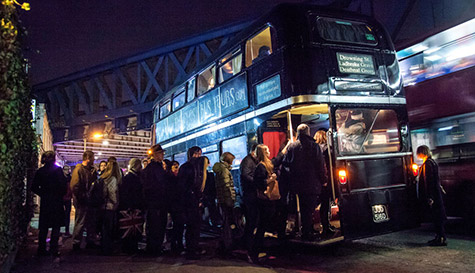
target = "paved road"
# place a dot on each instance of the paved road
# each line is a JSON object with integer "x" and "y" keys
{"x": 404, "y": 251}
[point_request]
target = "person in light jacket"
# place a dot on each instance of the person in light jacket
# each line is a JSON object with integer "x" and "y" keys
{"x": 111, "y": 179}
{"x": 226, "y": 195}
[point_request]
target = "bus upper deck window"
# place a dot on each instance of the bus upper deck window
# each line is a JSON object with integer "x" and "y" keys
{"x": 258, "y": 46}
{"x": 346, "y": 31}
{"x": 206, "y": 80}
{"x": 230, "y": 67}
{"x": 190, "y": 95}
{"x": 165, "y": 109}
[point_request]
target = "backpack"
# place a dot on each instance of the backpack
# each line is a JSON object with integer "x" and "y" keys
{"x": 96, "y": 198}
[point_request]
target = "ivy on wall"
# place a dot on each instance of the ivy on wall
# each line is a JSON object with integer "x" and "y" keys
{"x": 18, "y": 150}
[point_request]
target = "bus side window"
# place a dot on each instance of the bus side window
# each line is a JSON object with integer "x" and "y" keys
{"x": 258, "y": 46}
{"x": 229, "y": 68}
{"x": 206, "y": 80}
{"x": 190, "y": 95}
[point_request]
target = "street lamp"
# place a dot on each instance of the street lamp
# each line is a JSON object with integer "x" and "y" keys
{"x": 95, "y": 136}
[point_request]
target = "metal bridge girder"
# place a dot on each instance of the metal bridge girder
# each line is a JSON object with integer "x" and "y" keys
{"x": 123, "y": 88}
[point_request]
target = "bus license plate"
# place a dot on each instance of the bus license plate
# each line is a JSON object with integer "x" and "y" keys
{"x": 380, "y": 213}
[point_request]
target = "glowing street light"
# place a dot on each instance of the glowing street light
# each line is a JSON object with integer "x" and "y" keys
{"x": 94, "y": 136}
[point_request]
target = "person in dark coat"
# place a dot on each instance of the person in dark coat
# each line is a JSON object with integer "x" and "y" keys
{"x": 263, "y": 175}
{"x": 430, "y": 183}
{"x": 131, "y": 205}
{"x": 67, "y": 201}
{"x": 175, "y": 190}
{"x": 82, "y": 178}
{"x": 327, "y": 230}
{"x": 192, "y": 176}
{"x": 281, "y": 205}
{"x": 50, "y": 185}
{"x": 305, "y": 162}
{"x": 209, "y": 201}
{"x": 154, "y": 181}
{"x": 249, "y": 192}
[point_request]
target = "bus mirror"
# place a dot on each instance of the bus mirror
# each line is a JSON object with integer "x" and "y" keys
{"x": 342, "y": 177}
{"x": 415, "y": 169}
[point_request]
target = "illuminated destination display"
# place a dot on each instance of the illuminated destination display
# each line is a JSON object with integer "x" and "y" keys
{"x": 268, "y": 90}
{"x": 225, "y": 100}
{"x": 355, "y": 63}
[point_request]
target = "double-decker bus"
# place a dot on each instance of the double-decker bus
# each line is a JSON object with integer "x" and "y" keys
{"x": 439, "y": 74}
{"x": 302, "y": 63}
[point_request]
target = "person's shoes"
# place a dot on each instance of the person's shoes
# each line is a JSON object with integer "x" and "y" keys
{"x": 310, "y": 237}
{"x": 92, "y": 245}
{"x": 441, "y": 241}
{"x": 154, "y": 252}
{"x": 253, "y": 258}
{"x": 76, "y": 247}
{"x": 42, "y": 253}
{"x": 177, "y": 250}
{"x": 192, "y": 256}
{"x": 328, "y": 233}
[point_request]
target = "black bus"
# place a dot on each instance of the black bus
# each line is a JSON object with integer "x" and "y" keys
{"x": 302, "y": 63}
{"x": 439, "y": 74}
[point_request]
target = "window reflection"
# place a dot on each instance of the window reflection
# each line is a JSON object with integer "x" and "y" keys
{"x": 367, "y": 131}
{"x": 206, "y": 80}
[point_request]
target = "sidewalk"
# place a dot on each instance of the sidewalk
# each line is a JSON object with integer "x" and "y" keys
{"x": 90, "y": 260}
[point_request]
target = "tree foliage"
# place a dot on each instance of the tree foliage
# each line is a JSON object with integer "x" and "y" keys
{"x": 18, "y": 152}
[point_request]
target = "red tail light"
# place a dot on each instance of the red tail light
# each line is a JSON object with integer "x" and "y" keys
{"x": 342, "y": 176}
{"x": 415, "y": 169}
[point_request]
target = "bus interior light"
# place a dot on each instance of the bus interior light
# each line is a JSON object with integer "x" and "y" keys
{"x": 342, "y": 177}
{"x": 415, "y": 169}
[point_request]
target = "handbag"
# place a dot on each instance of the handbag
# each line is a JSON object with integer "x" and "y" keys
{"x": 271, "y": 193}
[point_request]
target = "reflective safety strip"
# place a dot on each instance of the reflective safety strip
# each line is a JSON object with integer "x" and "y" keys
{"x": 247, "y": 116}
{"x": 213, "y": 127}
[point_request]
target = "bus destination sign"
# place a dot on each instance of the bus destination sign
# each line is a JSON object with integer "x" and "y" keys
{"x": 268, "y": 90}
{"x": 350, "y": 63}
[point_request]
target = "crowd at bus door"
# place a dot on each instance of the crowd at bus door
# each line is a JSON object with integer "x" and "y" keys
{"x": 113, "y": 207}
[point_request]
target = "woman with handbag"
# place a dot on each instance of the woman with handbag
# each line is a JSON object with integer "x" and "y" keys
{"x": 267, "y": 192}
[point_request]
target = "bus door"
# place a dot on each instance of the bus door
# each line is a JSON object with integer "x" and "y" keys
{"x": 372, "y": 171}
{"x": 276, "y": 132}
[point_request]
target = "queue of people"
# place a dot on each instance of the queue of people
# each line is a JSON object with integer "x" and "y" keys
{"x": 112, "y": 207}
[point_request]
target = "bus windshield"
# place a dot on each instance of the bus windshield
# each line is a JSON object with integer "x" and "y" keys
{"x": 345, "y": 31}
{"x": 367, "y": 131}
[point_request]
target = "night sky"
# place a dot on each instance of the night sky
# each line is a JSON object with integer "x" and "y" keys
{"x": 68, "y": 36}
